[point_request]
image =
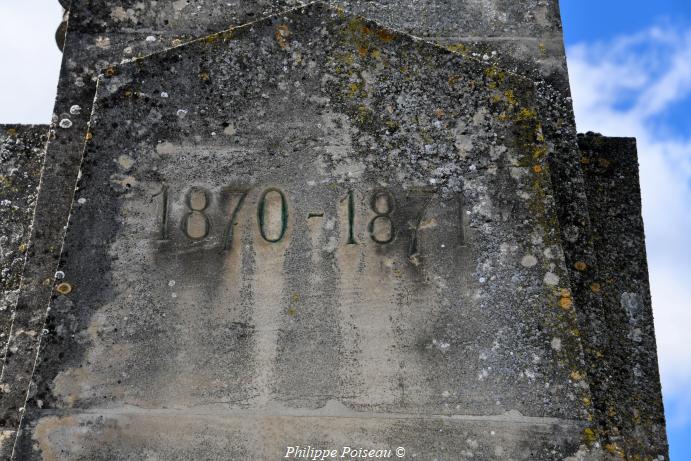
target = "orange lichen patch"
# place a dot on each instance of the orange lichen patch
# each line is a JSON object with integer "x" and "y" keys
{"x": 576, "y": 376}
{"x": 580, "y": 266}
{"x": 362, "y": 51}
{"x": 89, "y": 136}
{"x": 110, "y": 71}
{"x": 585, "y": 160}
{"x": 204, "y": 76}
{"x": 282, "y": 33}
{"x": 537, "y": 169}
{"x": 385, "y": 36}
{"x": 595, "y": 287}
{"x": 603, "y": 162}
{"x": 565, "y": 302}
{"x": 64, "y": 288}
{"x": 615, "y": 450}
{"x": 439, "y": 113}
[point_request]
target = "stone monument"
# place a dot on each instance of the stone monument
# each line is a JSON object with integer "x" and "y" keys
{"x": 331, "y": 231}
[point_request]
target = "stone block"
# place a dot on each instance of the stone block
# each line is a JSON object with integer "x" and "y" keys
{"x": 22, "y": 149}
{"x": 99, "y": 34}
{"x": 312, "y": 230}
{"x": 21, "y": 157}
{"x": 522, "y": 37}
{"x": 635, "y": 421}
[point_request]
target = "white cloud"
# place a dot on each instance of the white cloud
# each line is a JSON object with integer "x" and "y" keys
{"x": 627, "y": 87}
{"x": 30, "y": 60}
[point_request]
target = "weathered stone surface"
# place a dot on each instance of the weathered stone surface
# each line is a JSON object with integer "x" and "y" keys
{"x": 521, "y": 36}
{"x": 21, "y": 156}
{"x": 101, "y": 33}
{"x": 526, "y": 31}
{"x": 635, "y": 421}
{"x": 214, "y": 279}
{"x": 576, "y": 239}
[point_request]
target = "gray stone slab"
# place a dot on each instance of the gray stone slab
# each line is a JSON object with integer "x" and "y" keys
{"x": 22, "y": 149}
{"x": 312, "y": 230}
{"x": 635, "y": 415}
{"x": 521, "y": 36}
{"x": 576, "y": 238}
{"x": 102, "y": 33}
{"x": 530, "y": 30}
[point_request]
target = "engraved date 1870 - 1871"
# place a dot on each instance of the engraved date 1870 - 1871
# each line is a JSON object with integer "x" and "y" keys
{"x": 273, "y": 214}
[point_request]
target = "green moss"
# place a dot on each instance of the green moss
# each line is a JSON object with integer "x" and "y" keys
{"x": 458, "y": 48}
{"x": 589, "y": 437}
{"x": 5, "y": 182}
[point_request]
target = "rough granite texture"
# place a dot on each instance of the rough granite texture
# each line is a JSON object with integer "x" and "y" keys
{"x": 524, "y": 37}
{"x": 22, "y": 149}
{"x": 345, "y": 223}
{"x": 635, "y": 417}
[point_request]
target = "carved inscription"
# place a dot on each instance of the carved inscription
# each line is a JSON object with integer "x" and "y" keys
{"x": 196, "y": 224}
{"x": 273, "y": 212}
{"x": 228, "y": 234}
{"x": 264, "y": 216}
{"x": 382, "y": 229}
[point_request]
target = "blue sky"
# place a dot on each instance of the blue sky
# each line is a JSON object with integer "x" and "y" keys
{"x": 630, "y": 69}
